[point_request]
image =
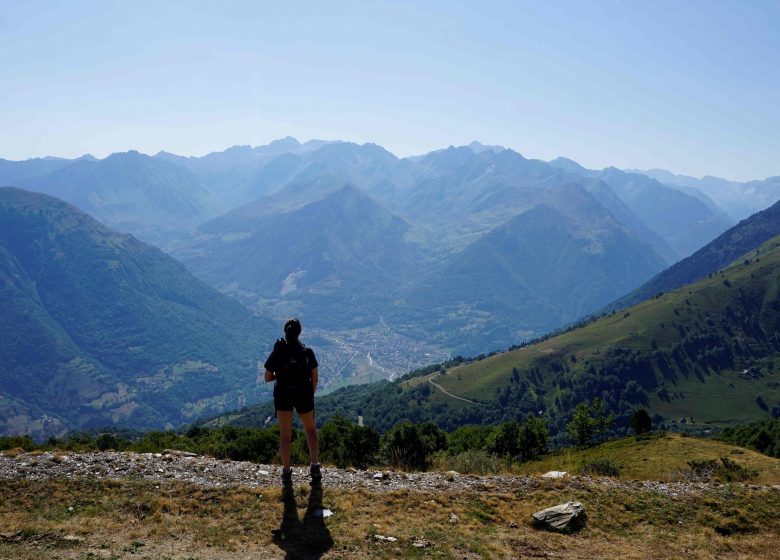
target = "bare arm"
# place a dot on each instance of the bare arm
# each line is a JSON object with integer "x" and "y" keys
{"x": 314, "y": 377}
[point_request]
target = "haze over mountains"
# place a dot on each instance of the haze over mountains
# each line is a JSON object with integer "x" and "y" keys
{"x": 739, "y": 200}
{"x": 288, "y": 244}
{"x": 391, "y": 262}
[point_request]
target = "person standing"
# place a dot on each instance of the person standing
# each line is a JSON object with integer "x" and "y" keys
{"x": 293, "y": 367}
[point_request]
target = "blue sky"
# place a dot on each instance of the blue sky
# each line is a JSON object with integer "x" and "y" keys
{"x": 688, "y": 86}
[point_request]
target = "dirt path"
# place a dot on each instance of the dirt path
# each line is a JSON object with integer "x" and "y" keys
{"x": 443, "y": 390}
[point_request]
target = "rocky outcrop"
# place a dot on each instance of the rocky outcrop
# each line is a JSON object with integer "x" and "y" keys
{"x": 564, "y": 518}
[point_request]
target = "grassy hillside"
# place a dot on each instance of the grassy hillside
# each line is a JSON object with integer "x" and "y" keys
{"x": 98, "y": 328}
{"x": 682, "y": 353}
{"x": 655, "y": 457}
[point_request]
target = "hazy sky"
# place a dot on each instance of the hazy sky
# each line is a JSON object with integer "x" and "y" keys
{"x": 689, "y": 86}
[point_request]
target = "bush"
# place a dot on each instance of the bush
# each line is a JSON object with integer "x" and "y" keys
{"x": 473, "y": 461}
{"x": 104, "y": 442}
{"x": 13, "y": 442}
{"x": 468, "y": 438}
{"x": 600, "y": 467}
{"x": 710, "y": 469}
{"x": 410, "y": 446}
{"x": 346, "y": 444}
{"x": 641, "y": 422}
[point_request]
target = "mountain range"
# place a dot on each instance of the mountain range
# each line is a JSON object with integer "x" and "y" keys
{"x": 152, "y": 199}
{"x": 738, "y": 199}
{"x": 387, "y": 260}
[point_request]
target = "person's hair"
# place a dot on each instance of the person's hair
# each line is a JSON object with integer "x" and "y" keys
{"x": 292, "y": 329}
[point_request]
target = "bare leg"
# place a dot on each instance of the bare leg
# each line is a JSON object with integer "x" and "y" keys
{"x": 285, "y": 435}
{"x": 312, "y": 442}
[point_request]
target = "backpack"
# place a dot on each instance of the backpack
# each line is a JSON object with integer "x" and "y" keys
{"x": 293, "y": 364}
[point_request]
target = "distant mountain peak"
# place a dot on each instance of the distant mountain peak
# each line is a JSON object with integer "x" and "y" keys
{"x": 567, "y": 165}
{"x": 129, "y": 154}
{"x": 286, "y": 143}
{"x": 478, "y": 147}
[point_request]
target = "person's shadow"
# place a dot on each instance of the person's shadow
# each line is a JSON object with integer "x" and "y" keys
{"x": 308, "y": 539}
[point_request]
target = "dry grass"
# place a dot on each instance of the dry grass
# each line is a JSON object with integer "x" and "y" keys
{"x": 135, "y": 519}
{"x": 656, "y": 458}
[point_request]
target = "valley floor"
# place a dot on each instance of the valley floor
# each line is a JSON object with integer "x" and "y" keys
{"x": 122, "y": 505}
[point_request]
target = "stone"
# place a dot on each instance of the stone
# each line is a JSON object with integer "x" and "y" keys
{"x": 555, "y": 474}
{"x": 421, "y": 543}
{"x": 380, "y": 476}
{"x": 72, "y": 538}
{"x": 451, "y": 475}
{"x": 512, "y": 525}
{"x": 453, "y": 518}
{"x": 565, "y": 518}
{"x": 384, "y": 538}
{"x": 177, "y": 453}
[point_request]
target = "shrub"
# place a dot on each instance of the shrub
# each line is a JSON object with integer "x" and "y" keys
{"x": 709, "y": 469}
{"x": 346, "y": 444}
{"x": 410, "y": 446}
{"x": 468, "y": 438}
{"x": 12, "y": 442}
{"x": 600, "y": 467}
{"x": 473, "y": 461}
{"x": 641, "y": 422}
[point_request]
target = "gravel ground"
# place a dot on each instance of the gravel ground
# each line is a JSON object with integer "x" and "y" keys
{"x": 206, "y": 471}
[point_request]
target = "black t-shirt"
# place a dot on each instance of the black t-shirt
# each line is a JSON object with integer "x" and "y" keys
{"x": 281, "y": 355}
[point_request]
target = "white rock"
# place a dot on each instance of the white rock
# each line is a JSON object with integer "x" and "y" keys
{"x": 555, "y": 474}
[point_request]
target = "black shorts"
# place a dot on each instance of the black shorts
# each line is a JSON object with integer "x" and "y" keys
{"x": 287, "y": 398}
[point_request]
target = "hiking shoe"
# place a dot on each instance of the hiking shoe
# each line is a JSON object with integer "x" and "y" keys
{"x": 286, "y": 477}
{"x": 316, "y": 472}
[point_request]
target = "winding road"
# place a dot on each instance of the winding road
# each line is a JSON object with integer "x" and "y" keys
{"x": 443, "y": 390}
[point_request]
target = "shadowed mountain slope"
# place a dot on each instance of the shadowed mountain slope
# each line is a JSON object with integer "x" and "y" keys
{"x": 740, "y": 239}
{"x": 543, "y": 268}
{"x": 99, "y": 328}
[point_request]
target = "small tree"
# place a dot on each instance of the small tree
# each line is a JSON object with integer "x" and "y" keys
{"x": 504, "y": 441}
{"x": 581, "y": 426}
{"x": 347, "y": 444}
{"x": 410, "y": 446}
{"x": 589, "y": 422}
{"x": 601, "y": 418}
{"x": 641, "y": 422}
{"x": 532, "y": 438}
